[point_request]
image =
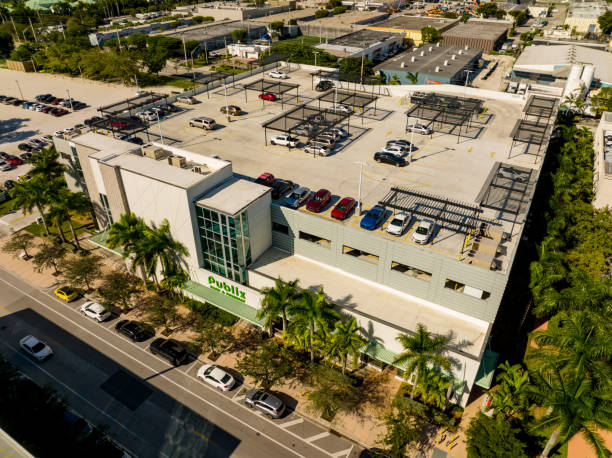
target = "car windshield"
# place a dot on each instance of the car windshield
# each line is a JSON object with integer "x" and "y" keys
{"x": 396, "y": 222}
{"x": 209, "y": 370}
{"x": 38, "y": 347}
{"x": 341, "y": 207}
{"x": 318, "y": 198}
{"x": 294, "y": 195}
{"x": 226, "y": 378}
{"x": 422, "y": 230}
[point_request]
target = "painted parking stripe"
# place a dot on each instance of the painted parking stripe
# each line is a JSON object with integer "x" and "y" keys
{"x": 239, "y": 398}
{"x": 297, "y": 421}
{"x": 316, "y": 437}
{"x": 343, "y": 452}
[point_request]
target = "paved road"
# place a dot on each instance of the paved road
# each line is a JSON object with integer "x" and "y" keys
{"x": 151, "y": 408}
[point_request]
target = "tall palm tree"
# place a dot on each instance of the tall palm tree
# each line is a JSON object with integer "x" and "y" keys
{"x": 413, "y": 77}
{"x": 31, "y": 194}
{"x": 422, "y": 350}
{"x": 62, "y": 207}
{"x": 574, "y": 406}
{"x": 128, "y": 233}
{"x": 346, "y": 340}
{"x": 46, "y": 164}
{"x": 164, "y": 251}
{"x": 276, "y": 301}
{"x": 577, "y": 343}
{"x": 312, "y": 314}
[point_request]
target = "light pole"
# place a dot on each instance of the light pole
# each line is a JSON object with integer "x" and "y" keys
{"x": 361, "y": 164}
{"x": 467, "y": 75}
{"x": 227, "y": 113}
{"x": 70, "y": 99}
{"x": 316, "y": 53}
{"x": 161, "y": 137}
{"x": 411, "y": 140}
{"x": 19, "y": 88}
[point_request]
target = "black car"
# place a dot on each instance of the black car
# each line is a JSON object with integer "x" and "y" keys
{"x": 324, "y": 85}
{"x": 78, "y": 105}
{"x": 3, "y": 155}
{"x": 17, "y": 102}
{"x": 280, "y": 187}
{"x": 9, "y": 184}
{"x": 90, "y": 121}
{"x": 169, "y": 108}
{"x": 135, "y": 140}
{"x": 169, "y": 349}
{"x": 135, "y": 330}
{"x": 389, "y": 158}
{"x": 26, "y": 156}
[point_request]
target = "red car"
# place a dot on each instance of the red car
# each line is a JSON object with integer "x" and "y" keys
{"x": 343, "y": 208}
{"x": 267, "y": 96}
{"x": 118, "y": 123}
{"x": 60, "y": 112}
{"x": 46, "y": 109}
{"x": 267, "y": 179}
{"x": 13, "y": 160}
{"x": 55, "y": 101}
{"x": 318, "y": 202}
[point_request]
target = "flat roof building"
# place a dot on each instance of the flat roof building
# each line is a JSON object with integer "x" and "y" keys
{"x": 433, "y": 64}
{"x": 235, "y": 11}
{"x": 411, "y": 26}
{"x": 369, "y": 43}
{"x": 484, "y": 35}
{"x": 582, "y": 16}
{"x": 337, "y": 26}
{"x": 603, "y": 162}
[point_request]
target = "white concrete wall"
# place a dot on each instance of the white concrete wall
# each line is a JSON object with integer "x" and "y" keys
{"x": 260, "y": 226}
{"x": 95, "y": 169}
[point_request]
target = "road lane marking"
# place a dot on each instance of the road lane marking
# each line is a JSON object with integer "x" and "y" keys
{"x": 202, "y": 436}
{"x": 55, "y": 341}
{"x": 316, "y": 437}
{"x": 297, "y": 421}
{"x": 155, "y": 371}
{"x": 343, "y": 452}
{"x": 77, "y": 394}
{"x": 1, "y": 307}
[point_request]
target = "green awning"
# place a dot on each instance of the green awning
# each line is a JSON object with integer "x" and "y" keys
{"x": 204, "y": 293}
{"x": 484, "y": 376}
{"x": 380, "y": 353}
{"x": 100, "y": 240}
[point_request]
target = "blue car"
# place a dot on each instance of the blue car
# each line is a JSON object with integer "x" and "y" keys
{"x": 373, "y": 217}
{"x": 26, "y": 105}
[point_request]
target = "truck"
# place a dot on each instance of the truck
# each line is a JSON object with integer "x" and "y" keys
{"x": 284, "y": 140}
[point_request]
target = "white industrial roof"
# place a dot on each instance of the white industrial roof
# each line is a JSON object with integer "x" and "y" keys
{"x": 103, "y": 143}
{"x": 547, "y": 58}
{"x": 232, "y": 196}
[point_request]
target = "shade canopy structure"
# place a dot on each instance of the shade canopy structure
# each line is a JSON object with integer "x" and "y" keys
{"x": 345, "y": 97}
{"x": 277, "y": 87}
{"x": 128, "y": 106}
{"x": 540, "y": 107}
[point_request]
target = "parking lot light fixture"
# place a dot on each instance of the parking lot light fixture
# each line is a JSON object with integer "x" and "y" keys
{"x": 69, "y": 99}
{"x": 161, "y": 137}
{"x": 227, "y": 113}
{"x": 361, "y": 164}
{"x": 315, "y": 54}
{"x": 411, "y": 141}
{"x": 19, "y": 88}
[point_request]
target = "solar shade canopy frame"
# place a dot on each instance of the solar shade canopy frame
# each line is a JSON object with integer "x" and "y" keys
{"x": 529, "y": 133}
{"x": 278, "y": 88}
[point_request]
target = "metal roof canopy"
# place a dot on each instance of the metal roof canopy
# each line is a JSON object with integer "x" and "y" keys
{"x": 336, "y": 75}
{"x": 277, "y": 87}
{"x": 435, "y": 101}
{"x": 507, "y": 189}
{"x": 462, "y": 217}
{"x": 131, "y": 103}
{"x": 307, "y": 118}
{"x": 350, "y": 98}
{"x": 204, "y": 78}
{"x": 265, "y": 60}
{"x": 542, "y": 107}
{"x": 448, "y": 116}
{"x": 530, "y": 132}
{"x": 131, "y": 126}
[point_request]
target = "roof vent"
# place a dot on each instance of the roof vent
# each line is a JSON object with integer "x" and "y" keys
{"x": 177, "y": 161}
{"x": 438, "y": 44}
{"x": 460, "y": 51}
{"x": 403, "y": 64}
{"x": 412, "y": 59}
{"x": 430, "y": 48}
{"x": 454, "y": 56}
{"x": 466, "y": 47}
{"x": 445, "y": 63}
{"x": 415, "y": 49}
{"x": 422, "y": 53}
{"x": 437, "y": 69}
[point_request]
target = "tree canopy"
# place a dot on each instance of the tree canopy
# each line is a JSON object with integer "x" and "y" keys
{"x": 605, "y": 22}
{"x": 430, "y": 35}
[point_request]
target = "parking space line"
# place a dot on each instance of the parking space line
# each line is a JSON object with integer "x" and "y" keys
{"x": 343, "y": 452}
{"x": 238, "y": 397}
{"x": 134, "y": 358}
{"x": 288, "y": 424}
{"x": 316, "y": 437}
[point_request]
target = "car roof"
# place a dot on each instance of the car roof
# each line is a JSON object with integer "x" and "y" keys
{"x": 322, "y": 192}
{"x": 377, "y": 208}
{"x": 95, "y": 306}
{"x": 346, "y": 200}
{"x": 302, "y": 189}
{"x": 402, "y": 215}
{"x": 218, "y": 373}
{"x": 265, "y": 175}
{"x": 30, "y": 340}
{"x": 426, "y": 223}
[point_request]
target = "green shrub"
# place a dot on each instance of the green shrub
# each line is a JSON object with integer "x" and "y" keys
{"x": 211, "y": 312}
{"x": 55, "y": 239}
{"x": 69, "y": 247}
{"x": 339, "y": 10}
{"x": 321, "y": 13}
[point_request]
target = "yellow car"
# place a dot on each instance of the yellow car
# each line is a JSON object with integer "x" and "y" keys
{"x": 66, "y": 293}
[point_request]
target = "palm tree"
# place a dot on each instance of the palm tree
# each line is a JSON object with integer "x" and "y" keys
{"x": 422, "y": 350}
{"x": 413, "y": 77}
{"x": 30, "y": 194}
{"x": 276, "y": 301}
{"x": 510, "y": 397}
{"x": 63, "y": 205}
{"x": 46, "y": 164}
{"x": 312, "y": 314}
{"x": 128, "y": 233}
{"x": 346, "y": 340}
{"x": 577, "y": 343}
{"x": 163, "y": 250}
{"x": 575, "y": 406}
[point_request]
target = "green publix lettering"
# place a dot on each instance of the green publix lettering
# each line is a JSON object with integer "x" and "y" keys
{"x": 228, "y": 290}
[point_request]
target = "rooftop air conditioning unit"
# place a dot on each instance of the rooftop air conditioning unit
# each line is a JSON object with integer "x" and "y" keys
{"x": 197, "y": 169}
{"x": 454, "y": 56}
{"x": 177, "y": 161}
{"x": 153, "y": 152}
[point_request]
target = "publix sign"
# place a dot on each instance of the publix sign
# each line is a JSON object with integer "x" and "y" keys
{"x": 228, "y": 289}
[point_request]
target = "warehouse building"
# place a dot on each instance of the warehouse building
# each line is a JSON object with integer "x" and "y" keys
{"x": 433, "y": 64}
{"x": 336, "y": 26}
{"x": 235, "y": 11}
{"x": 372, "y": 44}
{"x": 484, "y": 35}
{"x": 410, "y": 26}
{"x": 98, "y": 38}
{"x": 583, "y": 15}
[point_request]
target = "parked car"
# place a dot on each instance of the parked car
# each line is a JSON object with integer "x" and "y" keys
{"x": 278, "y": 74}
{"x": 169, "y": 349}
{"x": 319, "y": 201}
{"x": 341, "y": 108}
{"x": 280, "y": 187}
{"x": 26, "y": 156}
{"x": 135, "y": 330}
{"x": 399, "y": 223}
{"x": 390, "y": 158}
{"x": 36, "y": 348}
{"x": 96, "y": 311}
{"x": 203, "y": 123}
{"x": 394, "y": 149}
{"x": 78, "y": 105}
{"x": 187, "y": 100}
{"x": 297, "y": 197}
{"x": 231, "y": 109}
{"x": 47, "y": 138}
{"x": 78, "y": 426}
{"x": 320, "y": 150}
{"x": 264, "y": 401}
{"x": 513, "y": 174}
{"x": 5, "y": 166}
{"x": 268, "y": 96}
{"x": 135, "y": 140}
{"x": 324, "y": 85}
{"x": 325, "y": 141}
{"x": 92, "y": 120}
{"x": 66, "y": 293}
{"x": 405, "y": 144}
{"x": 217, "y": 377}
{"x": 13, "y": 160}
{"x": 423, "y": 231}
{"x": 343, "y": 208}
{"x": 9, "y": 184}
{"x": 24, "y": 147}
{"x": 373, "y": 217}
{"x": 266, "y": 179}
{"x": 284, "y": 140}
{"x": 340, "y": 133}
{"x": 37, "y": 143}
{"x": 419, "y": 129}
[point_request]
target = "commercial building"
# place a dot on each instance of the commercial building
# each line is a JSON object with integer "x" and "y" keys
{"x": 551, "y": 65}
{"x": 336, "y": 26}
{"x": 235, "y": 11}
{"x": 252, "y": 51}
{"x": 582, "y": 16}
{"x": 410, "y": 26}
{"x": 482, "y": 34}
{"x": 98, "y": 38}
{"x": 372, "y": 44}
{"x": 602, "y": 168}
{"x": 433, "y": 64}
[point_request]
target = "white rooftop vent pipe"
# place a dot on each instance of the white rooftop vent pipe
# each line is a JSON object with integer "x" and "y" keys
{"x": 454, "y": 56}
{"x": 430, "y": 48}
{"x": 403, "y": 64}
{"x": 460, "y": 51}
{"x": 466, "y": 47}
{"x": 422, "y": 53}
{"x": 445, "y": 63}
{"x": 437, "y": 69}
{"x": 412, "y": 59}
{"x": 438, "y": 44}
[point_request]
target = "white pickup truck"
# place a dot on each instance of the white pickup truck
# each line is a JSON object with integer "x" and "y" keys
{"x": 284, "y": 140}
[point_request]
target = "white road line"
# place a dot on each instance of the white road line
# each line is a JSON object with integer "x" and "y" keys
{"x": 297, "y": 421}
{"x": 316, "y": 437}
{"x": 77, "y": 394}
{"x": 343, "y": 452}
{"x": 169, "y": 379}
{"x": 239, "y": 398}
